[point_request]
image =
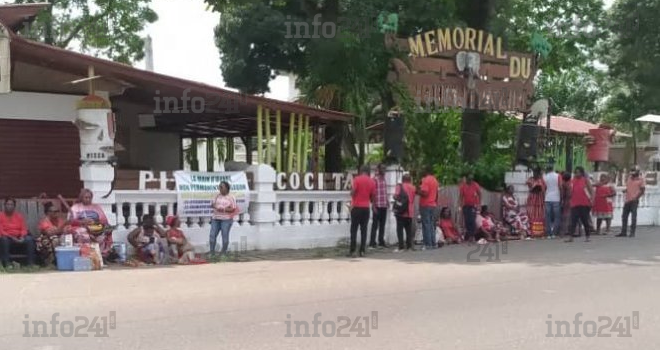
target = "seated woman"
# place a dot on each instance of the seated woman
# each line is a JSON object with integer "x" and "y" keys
{"x": 147, "y": 242}
{"x": 512, "y": 214}
{"x": 447, "y": 226}
{"x": 89, "y": 223}
{"x": 180, "y": 248}
{"x": 51, "y": 229}
{"x": 14, "y": 233}
{"x": 488, "y": 227}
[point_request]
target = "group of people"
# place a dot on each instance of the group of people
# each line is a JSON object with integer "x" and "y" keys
{"x": 87, "y": 223}
{"x": 557, "y": 204}
{"x": 368, "y": 192}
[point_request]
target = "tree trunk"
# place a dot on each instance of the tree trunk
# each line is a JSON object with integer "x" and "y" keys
{"x": 210, "y": 153}
{"x": 471, "y": 135}
{"x": 477, "y": 14}
{"x": 334, "y": 139}
{"x": 48, "y": 24}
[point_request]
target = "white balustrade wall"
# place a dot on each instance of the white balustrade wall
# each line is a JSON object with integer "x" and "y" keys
{"x": 275, "y": 219}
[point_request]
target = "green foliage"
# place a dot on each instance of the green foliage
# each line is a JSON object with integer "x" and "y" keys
{"x": 574, "y": 91}
{"x": 107, "y": 28}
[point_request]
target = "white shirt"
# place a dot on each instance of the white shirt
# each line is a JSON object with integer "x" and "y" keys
{"x": 552, "y": 193}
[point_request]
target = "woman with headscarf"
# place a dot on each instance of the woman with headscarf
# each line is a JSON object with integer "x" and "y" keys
{"x": 89, "y": 223}
{"x": 51, "y": 229}
{"x": 512, "y": 214}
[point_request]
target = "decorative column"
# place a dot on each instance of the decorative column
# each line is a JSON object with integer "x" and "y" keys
{"x": 262, "y": 205}
{"x": 393, "y": 175}
{"x": 96, "y": 126}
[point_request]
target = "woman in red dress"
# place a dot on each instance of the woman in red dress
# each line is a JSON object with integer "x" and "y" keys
{"x": 603, "y": 208}
{"x": 536, "y": 199}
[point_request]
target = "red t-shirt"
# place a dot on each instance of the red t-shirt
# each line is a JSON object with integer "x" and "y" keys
{"x": 410, "y": 191}
{"x": 579, "y": 196}
{"x": 12, "y": 226}
{"x": 363, "y": 188}
{"x": 429, "y": 185}
{"x": 470, "y": 194}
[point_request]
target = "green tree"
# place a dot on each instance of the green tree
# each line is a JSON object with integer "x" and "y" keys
{"x": 348, "y": 72}
{"x": 108, "y": 28}
{"x": 574, "y": 91}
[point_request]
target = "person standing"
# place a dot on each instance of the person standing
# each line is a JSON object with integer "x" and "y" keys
{"x": 552, "y": 202}
{"x": 428, "y": 202}
{"x": 635, "y": 188}
{"x": 581, "y": 200}
{"x": 603, "y": 208}
{"x": 224, "y": 210}
{"x": 470, "y": 198}
{"x": 404, "y": 209}
{"x": 362, "y": 195}
{"x": 536, "y": 201}
{"x": 565, "y": 203}
{"x": 379, "y": 209}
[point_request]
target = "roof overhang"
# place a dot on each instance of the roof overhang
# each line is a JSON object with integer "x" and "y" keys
{"x": 38, "y": 67}
{"x": 15, "y": 16}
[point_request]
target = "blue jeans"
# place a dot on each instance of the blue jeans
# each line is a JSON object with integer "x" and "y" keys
{"x": 6, "y": 243}
{"x": 470, "y": 221}
{"x": 428, "y": 226}
{"x": 220, "y": 226}
{"x": 552, "y": 218}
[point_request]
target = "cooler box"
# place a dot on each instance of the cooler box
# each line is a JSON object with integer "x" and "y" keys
{"x": 82, "y": 264}
{"x": 65, "y": 257}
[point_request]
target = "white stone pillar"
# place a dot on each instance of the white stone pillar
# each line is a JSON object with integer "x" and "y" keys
{"x": 261, "y": 208}
{"x": 263, "y": 204}
{"x": 96, "y": 127}
{"x": 393, "y": 175}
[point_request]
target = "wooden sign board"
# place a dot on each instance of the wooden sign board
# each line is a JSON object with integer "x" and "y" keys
{"x": 465, "y": 68}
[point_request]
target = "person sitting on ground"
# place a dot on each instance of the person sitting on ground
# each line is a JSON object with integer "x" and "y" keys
{"x": 89, "y": 223}
{"x": 14, "y": 233}
{"x": 147, "y": 241}
{"x": 448, "y": 228}
{"x": 180, "y": 248}
{"x": 51, "y": 229}
{"x": 488, "y": 227}
{"x": 513, "y": 215}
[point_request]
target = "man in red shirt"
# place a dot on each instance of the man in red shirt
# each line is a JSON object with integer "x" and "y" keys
{"x": 470, "y": 198}
{"x": 362, "y": 195}
{"x": 13, "y": 232}
{"x": 428, "y": 203}
{"x": 405, "y": 196}
{"x": 635, "y": 188}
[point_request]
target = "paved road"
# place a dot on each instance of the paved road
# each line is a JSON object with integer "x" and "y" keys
{"x": 424, "y": 300}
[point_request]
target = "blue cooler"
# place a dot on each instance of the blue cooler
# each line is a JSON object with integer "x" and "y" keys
{"x": 65, "y": 256}
{"x": 82, "y": 264}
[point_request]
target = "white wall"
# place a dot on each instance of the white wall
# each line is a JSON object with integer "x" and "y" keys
{"x": 147, "y": 149}
{"x": 38, "y": 106}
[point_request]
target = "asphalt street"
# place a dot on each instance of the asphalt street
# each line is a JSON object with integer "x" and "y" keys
{"x": 412, "y": 300}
